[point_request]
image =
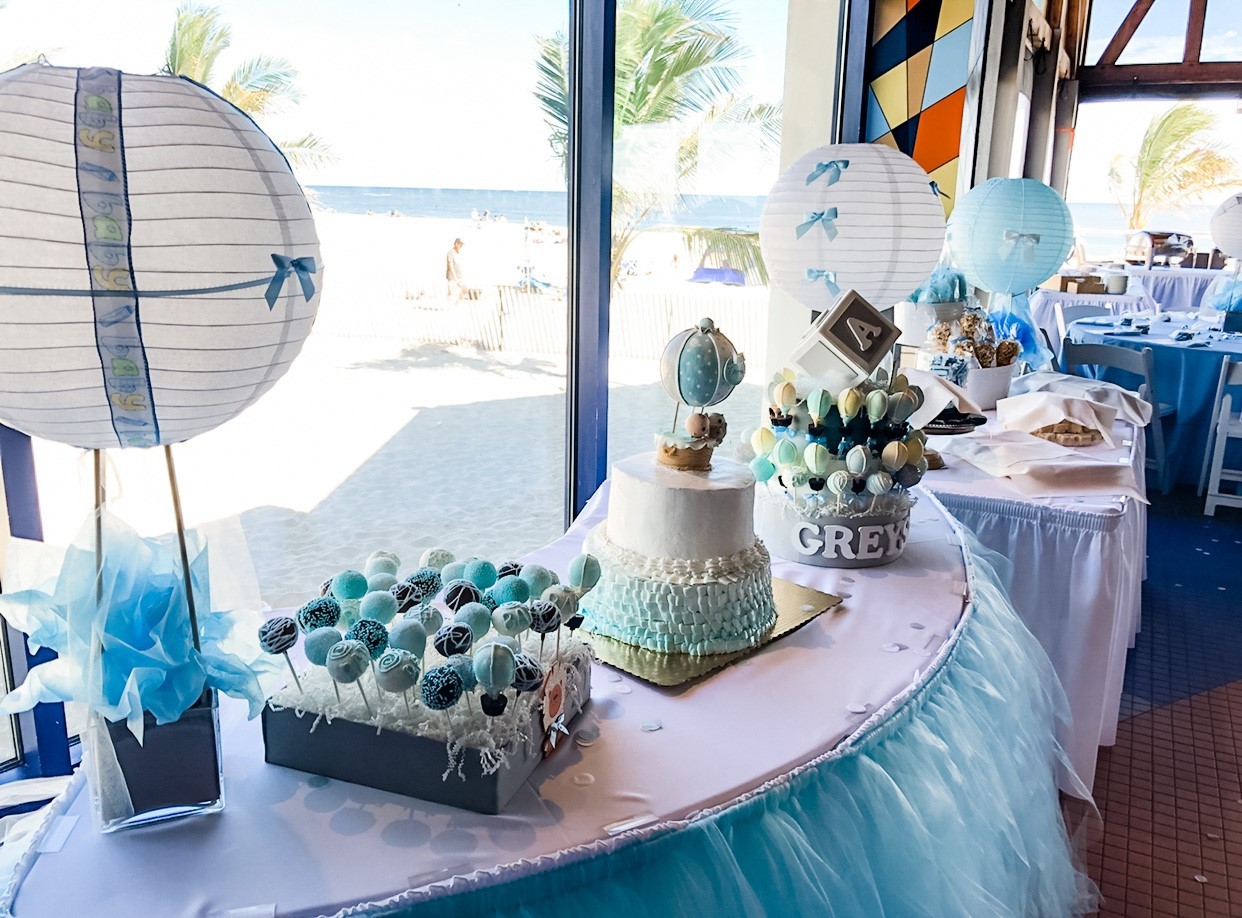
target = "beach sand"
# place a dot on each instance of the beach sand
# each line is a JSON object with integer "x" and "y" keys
{"x": 380, "y": 437}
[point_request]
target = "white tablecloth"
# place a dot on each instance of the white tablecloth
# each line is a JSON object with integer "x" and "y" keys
{"x": 1044, "y": 306}
{"x": 1175, "y": 289}
{"x": 310, "y": 846}
{"x": 1079, "y": 563}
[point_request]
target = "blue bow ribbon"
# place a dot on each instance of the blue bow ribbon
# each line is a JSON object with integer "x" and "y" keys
{"x": 1028, "y": 240}
{"x": 832, "y": 169}
{"x": 828, "y": 277}
{"x": 302, "y": 267}
{"x": 785, "y": 433}
{"x": 936, "y": 190}
{"x": 824, "y": 218}
{"x": 821, "y": 440}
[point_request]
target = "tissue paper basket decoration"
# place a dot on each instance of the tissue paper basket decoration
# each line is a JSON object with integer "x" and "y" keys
{"x": 835, "y": 472}
{"x": 852, "y": 216}
{"x": 160, "y": 273}
{"x": 1008, "y": 236}
{"x": 160, "y": 266}
{"x": 125, "y": 650}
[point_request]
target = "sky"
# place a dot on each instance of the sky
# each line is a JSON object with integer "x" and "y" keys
{"x": 422, "y": 93}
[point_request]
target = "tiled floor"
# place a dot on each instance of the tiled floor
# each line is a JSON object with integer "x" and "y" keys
{"x": 1170, "y": 791}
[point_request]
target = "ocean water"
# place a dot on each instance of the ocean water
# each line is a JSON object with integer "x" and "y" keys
{"x": 1099, "y": 227}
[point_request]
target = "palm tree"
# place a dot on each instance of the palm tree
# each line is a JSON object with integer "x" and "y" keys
{"x": 1177, "y": 164}
{"x": 676, "y": 67}
{"x": 258, "y": 86}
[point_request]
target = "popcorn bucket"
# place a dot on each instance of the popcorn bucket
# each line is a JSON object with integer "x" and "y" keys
{"x": 988, "y": 385}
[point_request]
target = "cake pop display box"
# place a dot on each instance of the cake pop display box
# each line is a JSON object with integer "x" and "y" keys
{"x": 418, "y": 766}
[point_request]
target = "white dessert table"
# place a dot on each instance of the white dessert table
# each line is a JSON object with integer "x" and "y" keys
{"x": 1078, "y": 567}
{"x": 1175, "y": 289}
{"x": 920, "y": 642}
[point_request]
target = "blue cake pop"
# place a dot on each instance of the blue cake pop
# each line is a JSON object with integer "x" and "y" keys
{"x": 349, "y": 585}
{"x": 436, "y": 558}
{"x": 371, "y": 633}
{"x": 408, "y": 634}
{"x": 382, "y": 580}
{"x": 277, "y": 635}
{"x": 545, "y": 616}
{"x": 457, "y": 593}
{"x": 454, "y": 570}
{"x": 489, "y": 600}
{"x": 461, "y": 663}
{"x": 323, "y": 612}
{"x": 510, "y": 589}
{"x": 347, "y": 660}
{"x": 452, "y": 639}
{"x": 527, "y": 673}
{"x": 379, "y": 605}
{"x": 441, "y": 688}
{"x": 511, "y": 618}
{"x": 481, "y": 573}
{"x": 510, "y": 642}
{"x": 537, "y": 578}
{"x": 494, "y": 667}
{"x": 396, "y": 671}
{"x": 477, "y": 616}
{"x": 584, "y": 572}
{"x": 509, "y": 569}
{"x": 319, "y": 642}
{"x": 425, "y": 583}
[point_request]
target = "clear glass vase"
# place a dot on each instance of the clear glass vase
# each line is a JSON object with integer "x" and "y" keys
{"x": 175, "y": 772}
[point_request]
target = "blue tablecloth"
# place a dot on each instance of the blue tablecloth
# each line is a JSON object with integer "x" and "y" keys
{"x": 1186, "y": 376}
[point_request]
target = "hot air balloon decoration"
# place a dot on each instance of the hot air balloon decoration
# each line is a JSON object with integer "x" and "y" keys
{"x": 700, "y": 368}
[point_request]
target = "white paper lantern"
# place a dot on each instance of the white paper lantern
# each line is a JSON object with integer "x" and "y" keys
{"x": 852, "y": 216}
{"x": 1227, "y": 226}
{"x": 158, "y": 260}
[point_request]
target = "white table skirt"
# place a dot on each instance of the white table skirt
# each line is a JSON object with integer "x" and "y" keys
{"x": 1044, "y": 306}
{"x": 1078, "y": 567}
{"x": 312, "y": 847}
{"x": 1175, "y": 289}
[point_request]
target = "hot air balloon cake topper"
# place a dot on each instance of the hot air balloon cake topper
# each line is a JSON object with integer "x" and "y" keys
{"x": 700, "y": 368}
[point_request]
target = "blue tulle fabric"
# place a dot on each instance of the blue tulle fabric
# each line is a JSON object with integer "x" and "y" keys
{"x": 945, "y": 285}
{"x": 1225, "y": 294}
{"x": 1012, "y": 318}
{"x": 128, "y": 649}
{"x": 945, "y": 806}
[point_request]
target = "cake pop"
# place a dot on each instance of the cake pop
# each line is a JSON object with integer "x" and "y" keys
{"x": 878, "y": 484}
{"x": 371, "y": 633}
{"x": 436, "y": 558}
{"x": 349, "y": 587}
{"x": 528, "y": 673}
{"x": 381, "y": 563}
{"x": 441, "y": 688}
{"x": 894, "y": 455}
{"x": 537, "y": 578}
{"x": 424, "y": 583}
{"x": 477, "y": 616}
{"x": 406, "y": 596}
{"x": 379, "y": 605}
{"x": 347, "y": 661}
{"x": 509, "y": 569}
{"x": 584, "y": 572}
{"x": 839, "y": 484}
{"x": 323, "y": 612}
{"x": 428, "y": 616}
{"x": 318, "y": 643}
{"x": 762, "y": 468}
{"x": 494, "y": 668}
{"x": 457, "y": 593}
{"x": 481, "y": 573}
{"x": 408, "y": 634}
{"x": 510, "y": 589}
{"x": 325, "y": 588}
{"x": 511, "y": 619}
{"x": 276, "y": 636}
{"x": 453, "y": 638}
{"x": 381, "y": 580}
{"x": 454, "y": 570}
{"x": 396, "y": 671}
{"x": 461, "y": 663}
{"x": 545, "y": 618}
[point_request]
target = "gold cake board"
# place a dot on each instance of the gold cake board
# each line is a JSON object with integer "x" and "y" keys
{"x": 795, "y": 606}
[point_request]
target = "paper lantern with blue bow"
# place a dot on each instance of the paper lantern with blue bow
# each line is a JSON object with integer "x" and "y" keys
{"x": 161, "y": 265}
{"x": 1227, "y": 226}
{"x": 1008, "y": 236}
{"x": 851, "y": 216}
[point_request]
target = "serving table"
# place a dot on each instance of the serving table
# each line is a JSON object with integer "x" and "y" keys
{"x": 893, "y": 756}
{"x": 1078, "y": 564}
{"x": 1175, "y": 289}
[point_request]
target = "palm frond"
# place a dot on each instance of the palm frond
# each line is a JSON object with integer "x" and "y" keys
{"x": 723, "y": 247}
{"x": 198, "y": 38}
{"x": 307, "y": 151}
{"x": 261, "y": 85}
{"x": 552, "y": 91}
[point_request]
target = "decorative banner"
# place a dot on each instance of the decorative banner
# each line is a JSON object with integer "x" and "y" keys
{"x": 160, "y": 267}
{"x": 1010, "y": 235}
{"x": 851, "y": 216}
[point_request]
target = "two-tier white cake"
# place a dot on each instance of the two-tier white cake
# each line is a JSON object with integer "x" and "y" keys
{"x": 681, "y": 569}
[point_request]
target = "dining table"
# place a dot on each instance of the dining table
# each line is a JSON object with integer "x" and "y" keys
{"x": 1044, "y": 304}
{"x": 1188, "y": 351}
{"x": 1175, "y": 289}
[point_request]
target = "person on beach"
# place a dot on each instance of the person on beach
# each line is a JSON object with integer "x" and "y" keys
{"x": 453, "y": 274}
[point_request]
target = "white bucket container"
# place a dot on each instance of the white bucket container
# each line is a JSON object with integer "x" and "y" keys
{"x": 987, "y": 386}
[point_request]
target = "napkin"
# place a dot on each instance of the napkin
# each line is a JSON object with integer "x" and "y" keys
{"x": 1128, "y": 405}
{"x": 1038, "y": 468}
{"x": 1028, "y": 413}
{"x": 938, "y": 394}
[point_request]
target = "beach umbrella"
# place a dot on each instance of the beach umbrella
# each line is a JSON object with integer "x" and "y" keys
{"x": 161, "y": 266}
{"x": 852, "y": 216}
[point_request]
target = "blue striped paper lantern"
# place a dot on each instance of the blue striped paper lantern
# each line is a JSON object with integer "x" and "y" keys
{"x": 160, "y": 262}
{"x": 852, "y": 216}
{"x": 1010, "y": 235}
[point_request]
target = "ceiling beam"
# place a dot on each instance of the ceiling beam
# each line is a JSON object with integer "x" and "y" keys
{"x": 1194, "y": 31}
{"x": 1125, "y": 32}
{"x": 1188, "y": 79}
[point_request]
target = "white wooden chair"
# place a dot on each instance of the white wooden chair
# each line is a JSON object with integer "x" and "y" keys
{"x": 1072, "y": 312}
{"x": 1138, "y": 363}
{"x": 1226, "y": 426}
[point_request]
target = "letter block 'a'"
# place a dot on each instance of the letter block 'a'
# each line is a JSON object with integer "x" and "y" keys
{"x": 848, "y": 340}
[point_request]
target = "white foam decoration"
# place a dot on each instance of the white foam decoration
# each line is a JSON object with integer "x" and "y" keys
{"x": 126, "y": 203}
{"x": 889, "y": 225}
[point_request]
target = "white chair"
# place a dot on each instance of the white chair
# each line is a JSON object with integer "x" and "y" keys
{"x": 1226, "y": 426}
{"x": 1138, "y": 363}
{"x": 1072, "y": 312}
